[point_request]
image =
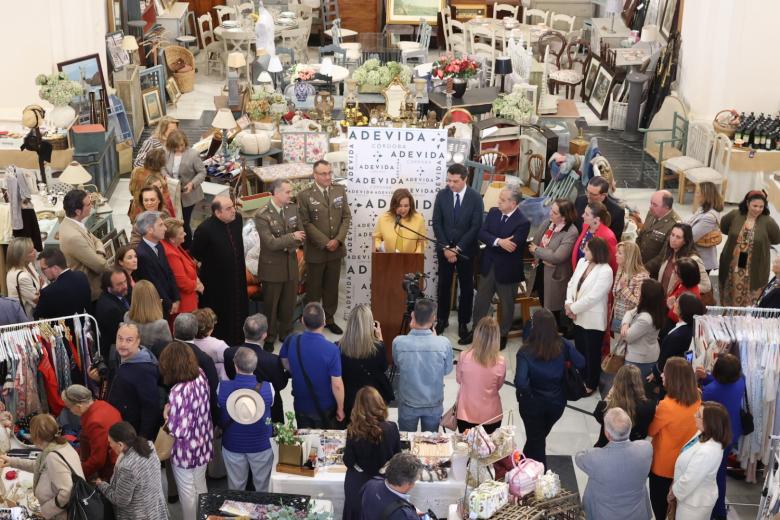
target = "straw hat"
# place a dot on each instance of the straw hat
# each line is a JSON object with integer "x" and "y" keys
{"x": 245, "y": 406}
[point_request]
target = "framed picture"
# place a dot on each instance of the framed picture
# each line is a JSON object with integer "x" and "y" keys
{"x": 121, "y": 239}
{"x": 88, "y": 71}
{"x": 110, "y": 247}
{"x": 172, "y": 88}
{"x": 411, "y": 11}
{"x": 668, "y": 19}
{"x": 118, "y": 57}
{"x": 590, "y": 76}
{"x": 655, "y": 8}
{"x": 152, "y": 105}
{"x": 599, "y": 96}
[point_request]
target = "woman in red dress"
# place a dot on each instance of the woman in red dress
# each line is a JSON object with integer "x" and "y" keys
{"x": 182, "y": 264}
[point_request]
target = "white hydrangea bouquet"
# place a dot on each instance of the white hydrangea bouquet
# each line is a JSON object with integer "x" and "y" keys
{"x": 57, "y": 89}
{"x": 515, "y": 106}
{"x": 374, "y": 77}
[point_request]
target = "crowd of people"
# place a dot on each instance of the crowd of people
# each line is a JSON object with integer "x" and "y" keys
{"x": 183, "y": 354}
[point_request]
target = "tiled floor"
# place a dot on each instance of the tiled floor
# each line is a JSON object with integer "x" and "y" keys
{"x": 576, "y": 430}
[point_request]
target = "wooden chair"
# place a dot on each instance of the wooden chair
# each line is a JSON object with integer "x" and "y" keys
{"x": 535, "y": 177}
{"x": 417, "y": 49}
{"x": 329, "y": 13}
{"x": 717, "y": 172}
{"x": 459, "y": 39}
{"x": 496, "y": 161}
{"x": 565, "y": 23}
{"x": 696, "y": 148}
{"x": 557, "y": 44}
{"x": 530, "y": 14}
{"x": 513, "y": 10}
{"x": 663, "y": 143}
{"x": 245, "y": 8}
{"x": 224, "y": 12}
{"x": 211, "y": 47}
{"x": 569, "y": 77}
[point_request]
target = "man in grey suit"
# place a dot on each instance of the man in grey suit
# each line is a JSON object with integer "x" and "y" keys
{"x": 617, "y": 473}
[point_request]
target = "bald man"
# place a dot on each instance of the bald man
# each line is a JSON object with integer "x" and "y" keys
{"x": 654, "y": 232}
{"x": 219, "y": 247}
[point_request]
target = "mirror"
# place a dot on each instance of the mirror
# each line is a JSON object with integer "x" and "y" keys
{"x": 395, "y": 95}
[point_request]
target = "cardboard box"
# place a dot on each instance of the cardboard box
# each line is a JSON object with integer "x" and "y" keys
{"x": 125, "y": 151}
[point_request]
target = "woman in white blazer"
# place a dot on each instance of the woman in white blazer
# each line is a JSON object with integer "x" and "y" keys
{"x": 586, "y": 304}
{"x": 695, "y": 488}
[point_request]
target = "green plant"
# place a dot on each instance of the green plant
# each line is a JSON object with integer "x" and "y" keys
{"x": 285, "y": 432}
{"x": 259, "y": 105}
{"x": 374, "y": 74}
{"x": 57, "y": 89}
{"x": 514, "y": 106}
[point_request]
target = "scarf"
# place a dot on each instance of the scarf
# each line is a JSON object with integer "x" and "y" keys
{"x": 40, "y": 463}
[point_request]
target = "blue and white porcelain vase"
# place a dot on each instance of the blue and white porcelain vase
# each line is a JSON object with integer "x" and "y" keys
{"x": 303, "y": 90}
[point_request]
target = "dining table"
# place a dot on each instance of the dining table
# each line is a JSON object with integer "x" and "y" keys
{"x": 484, "y": 27}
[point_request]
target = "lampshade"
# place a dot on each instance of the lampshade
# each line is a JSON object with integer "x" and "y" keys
{"x": 224, "y": 120}
{"x": 264, "y": 77}
{"x": 650, "y": 33}
{"x": 326, "y": 67}
{"x": 129, "y": 43}
{"x": 274, "y": 65}
{"x": 503, "y": 65}
{"x": 614, "y": 6}
{"x": 236, "y": 60}
{"x": 75, "y": 174}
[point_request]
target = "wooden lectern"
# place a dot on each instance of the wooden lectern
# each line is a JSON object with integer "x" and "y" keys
{"x": 388, "y": 298}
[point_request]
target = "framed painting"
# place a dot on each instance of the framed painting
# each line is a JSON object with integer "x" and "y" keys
{"x": 668, "y": 18}
{"x": 411, "y": 11}
{"x": 655, "y": 9}
{"x": 152, "y": 105}
{"x": 599, "y": 96}
{"x": 88, "y": 71}
{"x": 590, "y": 76}
{"x": 172, "y": 89}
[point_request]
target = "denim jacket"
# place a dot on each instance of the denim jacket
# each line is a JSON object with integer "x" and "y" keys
{"x": 422, "y": 360}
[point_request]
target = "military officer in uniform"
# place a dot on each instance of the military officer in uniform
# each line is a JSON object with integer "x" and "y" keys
{"x": 325, "y": 215}
{"x": 281, "y": 233}
{"x": 654, "y": 232}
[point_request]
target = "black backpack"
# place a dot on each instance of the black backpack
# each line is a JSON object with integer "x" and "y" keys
{"x": 86, "y": 502}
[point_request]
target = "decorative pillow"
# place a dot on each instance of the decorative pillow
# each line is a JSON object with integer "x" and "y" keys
{"x": 177, "y": 65}
{"x": 566, "y": 76}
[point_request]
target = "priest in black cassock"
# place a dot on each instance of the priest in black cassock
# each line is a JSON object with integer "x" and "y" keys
{"x": 217, "y": 243}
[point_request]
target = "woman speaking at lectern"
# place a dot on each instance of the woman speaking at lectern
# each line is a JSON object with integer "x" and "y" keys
{"x": 390, "y": 236}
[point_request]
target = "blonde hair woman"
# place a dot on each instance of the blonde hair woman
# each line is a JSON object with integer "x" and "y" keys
{"x": 23, "y": 281}
{"x": 363, "y": 358}
{"x": 146, "y": 313}
{"x": 155, "y": 141}
{"x": 628, "y": 393}
{"x": 705, "y": 222}
{"x": 480, "y": 372}
{"x": 628, "y": 282}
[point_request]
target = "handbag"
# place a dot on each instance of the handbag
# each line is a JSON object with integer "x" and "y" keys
{"x": 711, "y": 239}
{"x": 522, "y": 479}
{"x": 449, "y": 419}
{"x": 163, "y": 443}
{"x": 613, "y": 361}
{"x": 480, "y": 442}
{"x": 381, "y": 383}
{"x": 671, "y": 510}
{"x": 746, "y": 418}
{"x": 86, "y": 502}
{"x": 573, "y": 385}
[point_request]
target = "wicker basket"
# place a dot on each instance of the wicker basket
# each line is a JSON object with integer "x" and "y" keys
{"x": 185, "y": 80}
{"x": 726, "y": 122}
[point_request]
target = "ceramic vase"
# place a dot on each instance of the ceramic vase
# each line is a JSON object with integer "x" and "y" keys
{"x": 458, "y": 87}
{"x": 303, "y": 90}
{"x": 62, "y": 115}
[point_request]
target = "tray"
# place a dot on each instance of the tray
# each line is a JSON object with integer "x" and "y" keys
{"x": 209, "y": 503}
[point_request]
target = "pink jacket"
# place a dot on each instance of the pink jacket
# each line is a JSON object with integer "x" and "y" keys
{"x": 478, "y": 400}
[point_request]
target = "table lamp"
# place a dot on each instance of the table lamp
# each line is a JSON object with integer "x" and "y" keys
{"x": 75, "y": 174}
{"x": 235, "y": 61}
{"x": 265, "y": 81}
{"x": 224, "y": 121}
{"x": 130, "y": 44}
{"x": 503, "y": 67}
{"x": 275, "y": 67}
{"x": 613, "y": 8}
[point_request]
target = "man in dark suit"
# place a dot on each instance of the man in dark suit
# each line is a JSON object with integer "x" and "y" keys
{"x": 111, "y": 306}
{"x": 67, "y": 294}
{"x": 457, "y": 217}
{"x": 504, "y": 233}
{"x": 152, "y": 262}
{"x": 597, "y": 190}
{"x": 269, "y": 366}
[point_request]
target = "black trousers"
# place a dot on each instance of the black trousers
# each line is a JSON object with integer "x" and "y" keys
{"x": 465, "y": 269}
{"x": 659, "y": 490}
{"x": 539, "y": 417}
{"x": 186, "y": 217}
{"x": 489, "y": 428}
{"x": 588, "y": 343}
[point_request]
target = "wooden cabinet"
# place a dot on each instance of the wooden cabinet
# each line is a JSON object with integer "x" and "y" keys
{"x": 360, "y": 15}
{"x": 128, "y": 86}
{"x": 499, "y": 135}
{"x": 174, "y": 21}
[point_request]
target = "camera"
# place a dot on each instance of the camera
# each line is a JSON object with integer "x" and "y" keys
{"x": 413, "y": 286}
{"x": 99, "y": 364}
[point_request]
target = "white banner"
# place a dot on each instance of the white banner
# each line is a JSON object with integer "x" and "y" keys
{"x": 382, "y": 160}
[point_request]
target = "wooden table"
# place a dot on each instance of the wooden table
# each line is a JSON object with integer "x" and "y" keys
{"x": 286, "y": 171}
{"x": 475, "y": 100}
{"x": 601, "y": 28}
{"x": 748, "y": 173}
{"x": 483, "y": 27}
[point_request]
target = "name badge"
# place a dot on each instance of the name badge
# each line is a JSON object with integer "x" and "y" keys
{"x": 338, "y": 201}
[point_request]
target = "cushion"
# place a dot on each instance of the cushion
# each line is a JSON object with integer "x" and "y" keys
{"x": 408, "y": 46}
{"x": 177, "y": 65}
{"x": 704, "y": 174}
{"x": 571, "y": 77}
{"x": 682, "y": 163}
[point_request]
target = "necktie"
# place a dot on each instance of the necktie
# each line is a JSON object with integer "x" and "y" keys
{"x": 327, "y": 196}
{"x": 159, "y": 250}
{"x": 456, "y": 210}
{"x": 281, "y": 214}
{"x": 504, "y": 219}
{"x": 124, "y": 302}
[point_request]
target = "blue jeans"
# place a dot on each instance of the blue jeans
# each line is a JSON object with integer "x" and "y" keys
{"x": 644, "y": 368}
{"x": 429, "y": 418}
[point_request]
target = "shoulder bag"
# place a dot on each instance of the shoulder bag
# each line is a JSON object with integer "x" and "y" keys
{"x": 573, "y": 385}
{"x": 327, "y": 422}
{"x": 86, "y": 502}
{"x": 613, "y": 361}
{"x": 449, "y": 420}
{"x": 381, "y": 383}
{"x": 746, "y": 418}
{"x": 711, "y": 239}
{"x": 163, "y": 443}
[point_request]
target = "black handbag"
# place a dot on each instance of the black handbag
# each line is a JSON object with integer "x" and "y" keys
{"x": 86, "y": 502}
{"x": 573, "y": 384}
{"x": 746, "y": 418}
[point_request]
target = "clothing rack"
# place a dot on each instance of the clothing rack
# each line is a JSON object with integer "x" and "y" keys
{"x": 768, "y": 499}
{"x": 26, "y": 324}
{"x": 757, "y": 312}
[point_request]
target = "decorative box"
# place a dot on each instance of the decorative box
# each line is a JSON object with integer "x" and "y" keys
{"x": 88, "y": 138}
{"x": 488, "y": 498}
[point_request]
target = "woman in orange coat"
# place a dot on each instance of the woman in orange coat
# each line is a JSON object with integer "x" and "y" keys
{"x": 182, "y": 265}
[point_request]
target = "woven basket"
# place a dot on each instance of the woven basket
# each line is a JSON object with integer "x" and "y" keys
{"x": 726, "y": 122}
{"x": 185, "y": 80}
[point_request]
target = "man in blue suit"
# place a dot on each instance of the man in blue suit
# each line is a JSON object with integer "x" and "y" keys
{"x": 457, "y": 217}
{"x": 504, "y": 233}
{"x": 152, "y": 262}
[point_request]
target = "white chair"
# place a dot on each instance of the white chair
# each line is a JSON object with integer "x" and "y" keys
{"x": 459, "y": 39}
{"x": 238, "y": 42}
{"x": 530, "y": 14}
{"x": 446, "y": 16}
{"x": 565, "y": 23}
{"x": 212, "y": 49}
{"x": 417, "y": 49}
{"x": 505, "y": 8}
{"x": 338, "y": 162}
{"x": 245, "y": 8}
{"x": 294, "y": 39}
{"x": 353, "y": 49}
{"x": 486, "y": 55}
{"x": 716, "y": 172}
{"x": 697, "y": 150}
{"x": 224, "y": 13}
{"x": 345, "y": 33}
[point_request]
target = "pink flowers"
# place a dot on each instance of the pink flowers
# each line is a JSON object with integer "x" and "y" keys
{"x": 448, "y": 66}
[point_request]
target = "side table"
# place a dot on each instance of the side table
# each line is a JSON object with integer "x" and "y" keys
{"x": 475, "y": 100}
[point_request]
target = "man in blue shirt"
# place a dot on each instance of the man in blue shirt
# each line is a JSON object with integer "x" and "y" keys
{"x": 315, "y": 366}
{"x": 246, "y": 438}
{"x": 422, "y": 359}
{"x": 389, "y": 497}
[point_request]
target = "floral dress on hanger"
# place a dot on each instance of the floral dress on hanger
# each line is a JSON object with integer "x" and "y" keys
{"x": 736, "y": 292}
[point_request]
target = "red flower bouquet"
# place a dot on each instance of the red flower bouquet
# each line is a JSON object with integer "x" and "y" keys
{"x": 448, "y": 66}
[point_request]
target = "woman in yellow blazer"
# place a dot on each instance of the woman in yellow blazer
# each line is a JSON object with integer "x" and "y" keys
{"x": 398, "y": 239}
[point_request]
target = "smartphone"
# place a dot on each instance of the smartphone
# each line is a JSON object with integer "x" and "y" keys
{"x": 689, "y": 356}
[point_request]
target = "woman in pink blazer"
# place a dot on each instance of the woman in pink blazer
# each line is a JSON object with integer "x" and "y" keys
{"x": 595, "y": 223}
{"x": 183, "y": 266}
{"x": 480, "y": 372}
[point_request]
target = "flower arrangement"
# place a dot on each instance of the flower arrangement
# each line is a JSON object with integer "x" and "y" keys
{"x": 57, "y": 89}
{"x": 259, "y": 106}
{"x": 448, "y": 66}
{"x": 515, "y": 106}
{"x": 378, "y": 76}
{"x": 303, "y": 73}
{"x": 285, "y": 432}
